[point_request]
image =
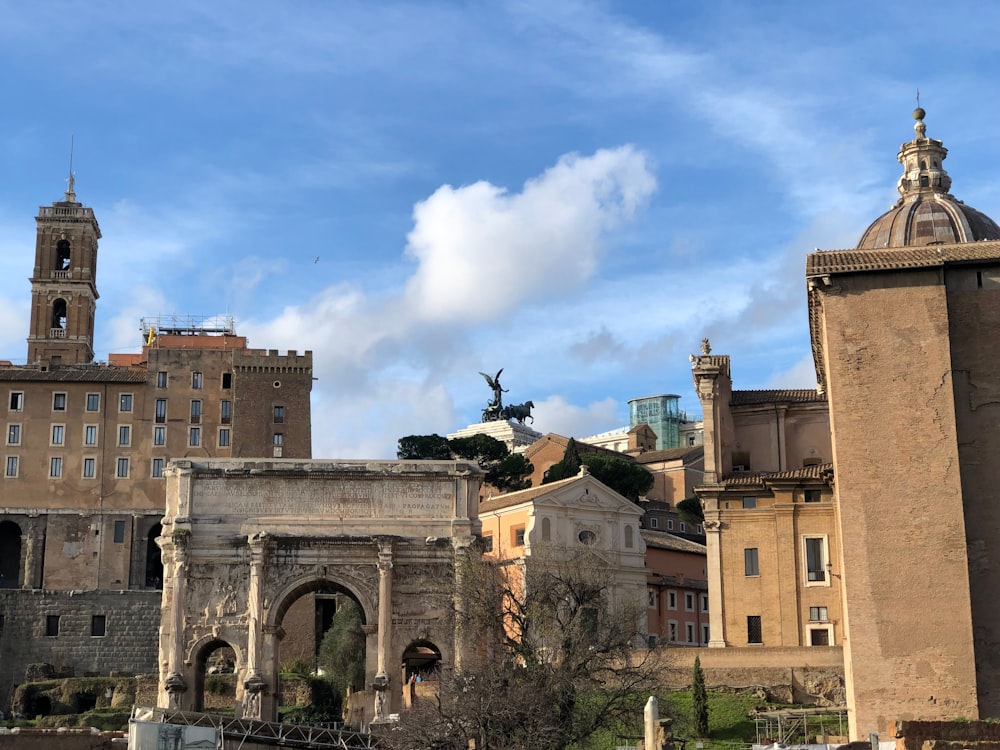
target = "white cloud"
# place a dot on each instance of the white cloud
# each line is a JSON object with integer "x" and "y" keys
{"x": 483, "y": 251}
{"x": 800, "y": 375}
{"x": 555, "y": 414}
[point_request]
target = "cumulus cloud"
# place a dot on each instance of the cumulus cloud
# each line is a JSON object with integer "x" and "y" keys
{"x": 481, "y": 251}
{"x": 555, "y": 414}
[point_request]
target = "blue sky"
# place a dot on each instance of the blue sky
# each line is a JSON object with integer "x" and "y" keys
{"x": 575, "y": 191}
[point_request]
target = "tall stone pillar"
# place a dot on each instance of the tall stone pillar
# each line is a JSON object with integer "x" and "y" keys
{"x": 254, "y": 683}
{"x": 716, "y": 605}
{"x": 34, "y": 546}
{"x": 176, "y": 562}
{"x": 381, "y": 685}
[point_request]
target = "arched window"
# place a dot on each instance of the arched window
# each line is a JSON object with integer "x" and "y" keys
{"x": 546, "y": 529}
{"x": 62, "y": 255}
{"x": 59, "y": 313}
{"x": 10, "y": 555}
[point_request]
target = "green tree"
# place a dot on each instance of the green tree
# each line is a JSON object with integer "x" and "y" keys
{"x": 623, "y": 476}
{"x": 342, "y": 651}
{"x": 504, "y": 470}
{"x": 423, "y": 446}
{"x": 691, "y": 510}
{"x": 568, "y": 467}
{"x": 699, "y": 698}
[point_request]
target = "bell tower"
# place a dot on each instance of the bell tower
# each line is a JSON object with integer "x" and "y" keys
{"x": 63, "y": 285}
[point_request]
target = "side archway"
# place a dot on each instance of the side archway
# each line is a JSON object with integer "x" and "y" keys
{"x": 10, "y": 555}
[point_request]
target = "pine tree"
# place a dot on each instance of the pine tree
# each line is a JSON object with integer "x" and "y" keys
{"x": 699, "y": 700}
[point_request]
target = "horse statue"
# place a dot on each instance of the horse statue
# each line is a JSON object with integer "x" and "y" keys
{"x": 520, "y": 412}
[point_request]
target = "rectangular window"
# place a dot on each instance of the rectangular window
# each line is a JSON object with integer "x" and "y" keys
{"x": 52, "y": 625}
{"x": 751, "y": 565}
{"x": 159, "y": 436}
{"x": 122, "y": 472}
{"x": 119, "y": 532}
{"x": 670, "y": 524}
{"x": 278, "y": 439}
{"x": 161, "y": 411}
{"x": 519, "y": 537}
{"x": 672, "y": 630}
{"x": 89, "y": 468}
{"x": 13, "y": 434}
{"x": 196, "y": 412}
{"x": 654, "y": 523}
{"x": 55, "y": 467}
{"x": 688, "y": 601}
{"x": 683, "y": 527}
{"x": 58, "y": 434}
{"x": 93, "y": 402}
{"x": 157, "y": 470}
{"x": 161, "y": 379}
{"x": 279, "y": 414}
{"x": 749, "y": 503}
{"x": 227, "y": 380}
{"x": 196, "y": 380}
{"x": 671, "y": 600}
{"x": 689, "y": 632}
{"x": 818, "y": 614}
{"x": 124, "y": 435}
{"x": 58, "y": 402}
{"x": 812, "y": 496}
{"x": 223, "y": 437}
{"x": 754, "y": 632}
{"x": 16, "y": 400}
{"x": 226, "y": 412}
{"x": 704, "y": 602}
{"x": 98, "y": 625}
{"x": 90, "y": 434}
{"x": 651, "y": 598}
{"x": 819, "y": 636}
{"x": 487, "y": 543}
{"x": 125, "y": 402}
{"x": 704, "y": 632}
{"x": 11, "y": 466}
{"x": 815, "y": 559}
{"x": 194, "y": 436}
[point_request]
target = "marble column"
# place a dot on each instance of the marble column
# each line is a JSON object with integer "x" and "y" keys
{"x": 254, "y": 683}
{"x": 176, "y": 550}
{"x": 381, "y": 684}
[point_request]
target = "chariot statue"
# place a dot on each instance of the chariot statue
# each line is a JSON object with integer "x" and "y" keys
{"x": 496, "y": 411}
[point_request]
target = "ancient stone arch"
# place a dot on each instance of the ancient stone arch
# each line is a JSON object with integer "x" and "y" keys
{"x": 242, "y": 541}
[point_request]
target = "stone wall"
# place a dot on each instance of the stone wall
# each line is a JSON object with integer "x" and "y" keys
{"x": 129, "y": 643}
{"x": 810, "y": 676}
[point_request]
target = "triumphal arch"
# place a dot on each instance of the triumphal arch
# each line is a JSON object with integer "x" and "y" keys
{"x": 242, "y": 541}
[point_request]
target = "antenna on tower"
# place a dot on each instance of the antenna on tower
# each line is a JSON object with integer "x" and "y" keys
{"x": 71, "y": 180}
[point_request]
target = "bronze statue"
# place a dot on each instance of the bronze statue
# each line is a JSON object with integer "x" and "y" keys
{"x": 494, "y": 409}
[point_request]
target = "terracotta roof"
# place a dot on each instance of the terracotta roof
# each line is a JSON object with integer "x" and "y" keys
{"x": 759, "y": 478}
{"x": 581, "y": 447}
{"x": 71, "y": 374}
{"x": 687, "y": 452}
{"x": 825, "y": 262}
{"x": 497, "y": 502}
{"x": 664, "y": 540}
{"x": 776, "y": 396}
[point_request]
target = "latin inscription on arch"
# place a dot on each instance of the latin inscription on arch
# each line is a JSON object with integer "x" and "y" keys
{"x": 347, "y": 498}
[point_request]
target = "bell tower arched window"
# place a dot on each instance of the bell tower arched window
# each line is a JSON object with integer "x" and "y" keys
{"x": 59, "y": 313}
{"x": 62, "y": 255}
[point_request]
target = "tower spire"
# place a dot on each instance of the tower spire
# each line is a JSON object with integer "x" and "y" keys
{"x": 71, "y": 180}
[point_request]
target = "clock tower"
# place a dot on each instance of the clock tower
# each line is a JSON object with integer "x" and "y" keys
{"x": 63, "y": 285}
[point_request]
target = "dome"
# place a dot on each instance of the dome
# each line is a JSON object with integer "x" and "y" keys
{"x": 926, "y": 213}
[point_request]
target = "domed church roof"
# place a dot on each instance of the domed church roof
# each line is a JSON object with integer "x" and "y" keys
{"x": 926, "y": 213}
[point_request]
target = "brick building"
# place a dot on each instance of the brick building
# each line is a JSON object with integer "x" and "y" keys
{"x": 85, "y": 444}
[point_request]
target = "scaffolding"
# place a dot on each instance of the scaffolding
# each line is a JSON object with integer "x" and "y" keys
{"x": 264, "y": 732}
{"x": 795, "y": 726}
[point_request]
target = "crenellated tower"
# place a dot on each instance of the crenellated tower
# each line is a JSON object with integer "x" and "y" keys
{"x": 63, "y": 285}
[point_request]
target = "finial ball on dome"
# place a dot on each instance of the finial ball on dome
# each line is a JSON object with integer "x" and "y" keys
{"x": 919, "y": 114}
